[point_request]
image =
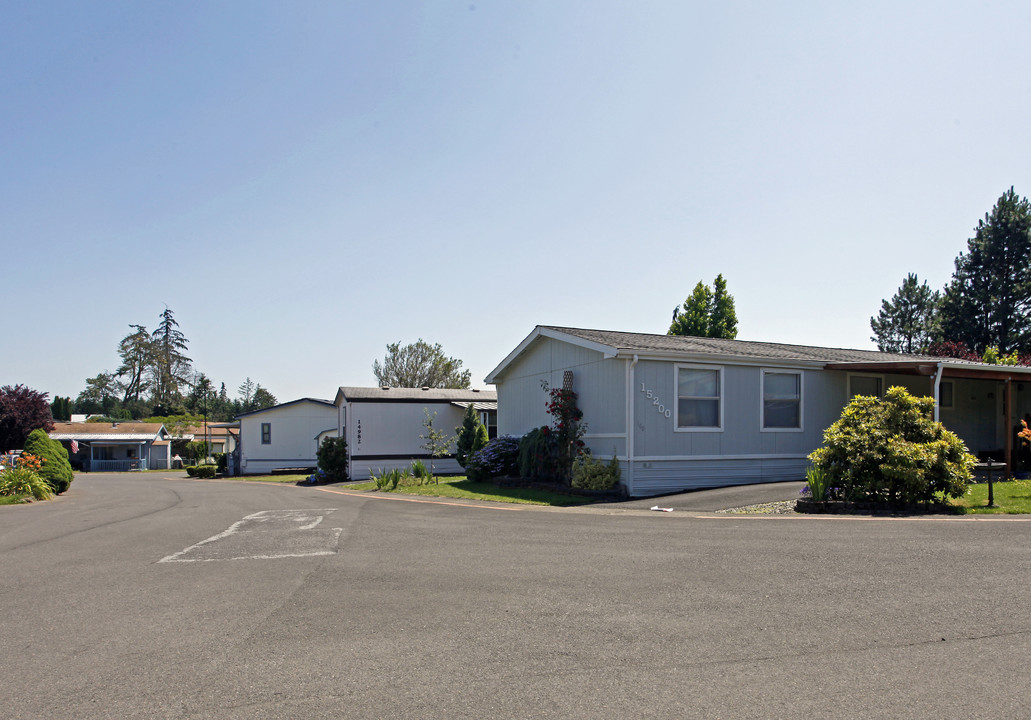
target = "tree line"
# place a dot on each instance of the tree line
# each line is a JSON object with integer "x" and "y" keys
{"x": 156, "y": 378}
{"x": 984, "y": 312}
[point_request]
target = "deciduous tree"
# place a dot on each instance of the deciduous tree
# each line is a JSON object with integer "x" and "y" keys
{"x": 420, "y": 365}
{"x": 22, "y": 410}
{"x": 137, "y": 353}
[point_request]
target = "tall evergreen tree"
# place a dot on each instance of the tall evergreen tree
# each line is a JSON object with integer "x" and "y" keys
{"x": 707, "y": 312}
{"x": 909, "y": 323}
{"x": 171, "y": 366}
{"x": 988, "y": 302}
{"x": 471, "y": 435}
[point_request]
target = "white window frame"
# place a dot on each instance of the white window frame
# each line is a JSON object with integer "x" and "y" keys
{"x": 676, "y": 397}
{"x": 762, "y": 399}
{"x": 863, "y": 375}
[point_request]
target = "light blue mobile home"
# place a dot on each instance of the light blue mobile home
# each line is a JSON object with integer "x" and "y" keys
{"x": 687, "y": 412}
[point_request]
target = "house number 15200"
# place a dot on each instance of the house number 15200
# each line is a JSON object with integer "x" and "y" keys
{"x": 663, "y": 410}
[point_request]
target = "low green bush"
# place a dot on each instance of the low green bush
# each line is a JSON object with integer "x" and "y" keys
{"x": 890, "y": 449}
{"x": 591, "y": 474}
{"x": 191, "y": 470}
{"x": 205, "y": 471}
{"x": 420, "y": 470}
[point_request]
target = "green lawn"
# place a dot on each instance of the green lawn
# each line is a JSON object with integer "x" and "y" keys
{"x": 459, "y": 487}
{"x": 1013, "y": 498}
{"x": 290, "y": 479}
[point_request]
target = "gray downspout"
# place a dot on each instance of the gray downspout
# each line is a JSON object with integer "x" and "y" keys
{"x": 937, "y": 393}
{"x": 630, "y": 382}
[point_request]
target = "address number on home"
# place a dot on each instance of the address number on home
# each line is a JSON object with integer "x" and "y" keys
{"x": 662, "y": 409}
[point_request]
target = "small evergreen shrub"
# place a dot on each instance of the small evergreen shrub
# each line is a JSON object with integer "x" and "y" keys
{"x": 332, "y": 458}
{"x": 498, "y": 458}
{"x": 419, "y": 470}
{"x": 471, "y": 435}
{"x": 196, "y": 450}
{"x": 221, "y": 462}
{"x": 56, "y": 469}
{"x": 591, "y": 474}
{"x": 890, "y": 449}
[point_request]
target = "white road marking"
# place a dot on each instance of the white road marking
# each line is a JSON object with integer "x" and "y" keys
{"x": 266, "y": 535}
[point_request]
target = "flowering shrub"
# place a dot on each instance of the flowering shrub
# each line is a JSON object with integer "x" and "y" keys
{"x": 565, "y": 435}
{"x": 24, "y": 479}
{"x": 499, "y": 458}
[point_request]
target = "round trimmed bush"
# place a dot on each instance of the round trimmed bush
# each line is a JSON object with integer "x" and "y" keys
{"x": 56, "y": 469}
{"x": 890, "y": 449}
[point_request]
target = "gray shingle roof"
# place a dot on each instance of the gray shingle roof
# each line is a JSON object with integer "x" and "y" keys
{"x": 368, "y": 394}
{"x": 690, "y": 346}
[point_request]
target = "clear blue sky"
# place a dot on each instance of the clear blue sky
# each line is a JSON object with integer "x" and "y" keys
{"x": 303, "y": 183}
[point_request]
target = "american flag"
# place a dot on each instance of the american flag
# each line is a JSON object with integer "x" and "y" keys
{"x": 75, "y": 447}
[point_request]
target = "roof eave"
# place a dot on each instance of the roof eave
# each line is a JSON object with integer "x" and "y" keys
{"x": 607, "y": 351}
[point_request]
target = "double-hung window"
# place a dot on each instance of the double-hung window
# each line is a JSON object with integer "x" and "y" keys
{"x": 266, "y": 433}
{"x": 782, "y": 400}
{"x": 699, "y": 398}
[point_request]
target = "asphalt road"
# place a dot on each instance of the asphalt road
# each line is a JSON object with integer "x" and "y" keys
{"x": 135, "y": 596}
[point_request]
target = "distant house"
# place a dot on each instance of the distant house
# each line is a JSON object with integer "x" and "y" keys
{"x": 221, "y": 437}
{"x": 689, "y": 412}
{"x": 284, "y": 436}
{"x": 116, "y": 446}
{"x": 383, "y": 424}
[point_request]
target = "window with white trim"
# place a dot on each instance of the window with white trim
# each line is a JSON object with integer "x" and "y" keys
{"x": 699, "y": 398}
{"x": 782, "y": 400}
{"x": 865, "y": 385}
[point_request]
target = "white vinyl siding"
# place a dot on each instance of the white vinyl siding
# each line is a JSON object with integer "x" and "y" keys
{"x": 699, "y": 405}
{"x": 781, "y": 401}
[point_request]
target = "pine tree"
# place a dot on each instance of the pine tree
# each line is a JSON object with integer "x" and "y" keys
{"x": 472, "y": 435}
{"x": 707, "y": 312}
{"x": 171, "y": 367}
{"x": 909, "y": 323}
{"x": 988, "y": 302}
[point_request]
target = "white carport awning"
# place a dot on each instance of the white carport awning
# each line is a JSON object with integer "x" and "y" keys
{"x": 479, "y": 406}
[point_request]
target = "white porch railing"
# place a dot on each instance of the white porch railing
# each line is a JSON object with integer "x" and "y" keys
{"x": 117, "y": 465}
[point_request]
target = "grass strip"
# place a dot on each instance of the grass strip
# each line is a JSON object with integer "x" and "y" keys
{"x": 461, "y": 488}
{"x": 1012, "y": 497}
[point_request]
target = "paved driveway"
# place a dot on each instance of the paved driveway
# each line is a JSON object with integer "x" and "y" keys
{"x": 140, "y": 597}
